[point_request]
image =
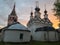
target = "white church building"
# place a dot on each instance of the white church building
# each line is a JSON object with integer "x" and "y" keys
{"x": 37, "y": 29}
{"x": 41, "y": 29}
{"x": 15, "y": 31}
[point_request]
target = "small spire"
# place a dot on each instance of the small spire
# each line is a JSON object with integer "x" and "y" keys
{"x": 37, "y": 3}
{"x": 45, "y": 6}
{"x": 13, "y": 11}
{"x": 45, "y": 15}
{"x": 45, "y": 10}
{"x": 37, "y": 6}
{"x": 31, "y": 12}
{"x": 14, "y": 6}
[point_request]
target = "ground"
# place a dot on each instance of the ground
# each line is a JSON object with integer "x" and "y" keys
{"x": 32, "y": 43}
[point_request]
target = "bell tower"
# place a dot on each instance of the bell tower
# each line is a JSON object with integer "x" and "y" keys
{"x": 12, "y": 18}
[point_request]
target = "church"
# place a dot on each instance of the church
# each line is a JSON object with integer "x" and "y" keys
{"x": 15, "y": 31}
{"x": 37, "y": 29}
{"x": 41, "y": 29}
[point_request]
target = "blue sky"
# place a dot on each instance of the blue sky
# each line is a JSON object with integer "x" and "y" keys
{"x": 23, "y": 9}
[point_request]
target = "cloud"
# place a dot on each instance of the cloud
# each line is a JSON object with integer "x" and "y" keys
{"x": 10, "y": 3}
{"x": 24, "y": 22}
{"x": 23, "y": 9}
{"x": 4, "y": 13}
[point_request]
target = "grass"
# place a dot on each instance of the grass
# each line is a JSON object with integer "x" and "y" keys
{"x": 32, "y": 43}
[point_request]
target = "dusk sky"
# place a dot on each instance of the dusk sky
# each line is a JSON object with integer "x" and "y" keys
{"x": 23, "y": 9}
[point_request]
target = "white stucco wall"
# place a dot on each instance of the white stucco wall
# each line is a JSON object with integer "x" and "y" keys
{"x": 52, "y": 36}
{"x": 14, "y": 36}
{"x": 46, "y": 36}
{"x": 39, "y": 36}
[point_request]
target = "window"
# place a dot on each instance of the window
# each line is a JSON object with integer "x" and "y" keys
{"x": 21, "y": 36}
